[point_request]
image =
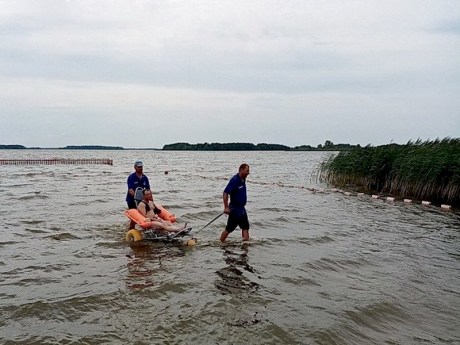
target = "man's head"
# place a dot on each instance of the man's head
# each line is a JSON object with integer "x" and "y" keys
{"x": 147, "y": 193}
{"x": 138, "y": 166}
{"x": 243, "y": 171}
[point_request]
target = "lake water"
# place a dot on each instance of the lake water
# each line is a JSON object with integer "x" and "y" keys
{"x": 321, "y": 267}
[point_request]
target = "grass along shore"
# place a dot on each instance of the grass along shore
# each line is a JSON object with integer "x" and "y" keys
{"x": 427, "y": 170}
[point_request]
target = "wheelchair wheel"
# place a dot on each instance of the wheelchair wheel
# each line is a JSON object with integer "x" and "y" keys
{"x": 134, "y": 235}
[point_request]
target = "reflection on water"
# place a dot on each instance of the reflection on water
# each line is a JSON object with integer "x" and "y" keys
{"x": 237, "y": 279}
{"x": 232, "y": 279}
{"x": 321, "y": 267}
{"x": 146, "y": 261}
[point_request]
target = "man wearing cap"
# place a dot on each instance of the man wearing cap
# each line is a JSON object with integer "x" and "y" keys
{"x": 135, "y": 180}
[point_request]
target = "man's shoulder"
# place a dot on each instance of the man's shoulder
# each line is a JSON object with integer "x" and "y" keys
{"x": 132, "y": 175}
{"x": 235, "y": 177}
{"x": 232, "y": 183}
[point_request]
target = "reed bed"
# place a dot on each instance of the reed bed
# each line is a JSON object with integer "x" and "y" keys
{"x": 428, "y": 170}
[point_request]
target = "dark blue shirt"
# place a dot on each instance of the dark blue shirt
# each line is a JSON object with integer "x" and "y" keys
{"x": 133, "y": 182}
{"x": 236, "y": 188}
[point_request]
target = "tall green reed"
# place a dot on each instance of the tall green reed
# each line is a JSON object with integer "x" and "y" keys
{"x": 422, "y": 170}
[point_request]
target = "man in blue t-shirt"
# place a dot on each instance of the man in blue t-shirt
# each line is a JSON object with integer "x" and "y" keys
{"x": 237, "y": 216}
{"x": 136, "y": 179}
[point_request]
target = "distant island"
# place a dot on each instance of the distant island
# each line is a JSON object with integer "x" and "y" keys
{"x": 12, "y": 147}
{"x": 328, "y": 146}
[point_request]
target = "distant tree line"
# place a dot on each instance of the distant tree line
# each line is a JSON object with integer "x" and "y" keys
{"x": 328, "y": 146}
{"x": 225, "y": 147}
{"x": 12, "y": 147}
{"x": 70, "y": 147}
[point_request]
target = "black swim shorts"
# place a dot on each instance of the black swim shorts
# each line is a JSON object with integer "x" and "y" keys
{"x": 235, "y": 220}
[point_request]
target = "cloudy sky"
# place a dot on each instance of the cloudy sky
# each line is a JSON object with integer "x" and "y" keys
{"x": 293, "y": 72}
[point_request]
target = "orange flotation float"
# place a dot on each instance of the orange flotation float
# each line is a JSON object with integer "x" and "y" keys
{"x": 138, "y": 218}
{"x": 145, "y": 222}
{"x": 165, "y": 214}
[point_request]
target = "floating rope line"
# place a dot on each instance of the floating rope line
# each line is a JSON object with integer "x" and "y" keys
{"x": 54, "y": 161}
{"x": 315, "y": 190}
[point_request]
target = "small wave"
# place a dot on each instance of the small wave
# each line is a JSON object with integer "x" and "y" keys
{"x": 299, "y": 240}
{"x": 65, "y": 310}
{"x": 367, "y": 322}
{"x": 31, "y": 221}
{"x": 273, "y": 209}
{"x": 89, "y": 202}
{"x": 202, "y": 215}
{"x": 327, "y": 264}
{"x": 39, "y": 281}
{"x": 332, "y": 336}
{"x": 63, "y": 236}
{"x": 110, "y": 245}
{"x": 36, "y": 196}
{"x": 281, "y": 219}
{"x": 36, "y": 231}
{"x": 8, "y": 243}
{"x": 377, "y": 316}
{"x": 315, "y": 240}
{"x": 20, "y": 271}
{"x": 456, "y": 256}
{"x": 300, "y": 281}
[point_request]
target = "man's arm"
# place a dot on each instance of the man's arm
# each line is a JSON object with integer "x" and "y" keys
{"x": 225, "y": 199}
{"x": 130, "y": 183}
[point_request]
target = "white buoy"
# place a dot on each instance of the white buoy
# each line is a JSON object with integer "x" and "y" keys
{"x": 347, "y": 193}
{"x": 375, "y": 196}
{"x": 426, "y": 203}
{"x": 407, "y": 201}
{"x": 445, "y": 207}
{"x": 360, "y": 194}
{"x": 389, "y": 198}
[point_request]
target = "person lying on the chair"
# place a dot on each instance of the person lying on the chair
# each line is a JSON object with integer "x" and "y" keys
{"x": 148, "y": 209}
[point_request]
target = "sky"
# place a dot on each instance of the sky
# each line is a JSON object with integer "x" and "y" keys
{"x": 292, "y": 72}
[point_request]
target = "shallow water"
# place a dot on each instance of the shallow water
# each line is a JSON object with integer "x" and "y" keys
{"x": 321, "y": 267}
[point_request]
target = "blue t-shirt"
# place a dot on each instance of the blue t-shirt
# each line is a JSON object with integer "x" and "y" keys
{"x": 236, "y": 188}
{"x": 133, "y": 182}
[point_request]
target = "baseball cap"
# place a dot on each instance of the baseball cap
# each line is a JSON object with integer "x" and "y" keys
{"x": 138, "y": 164}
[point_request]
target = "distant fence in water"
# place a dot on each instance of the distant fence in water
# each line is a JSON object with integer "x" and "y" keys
{"x": 53, "y": 161}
